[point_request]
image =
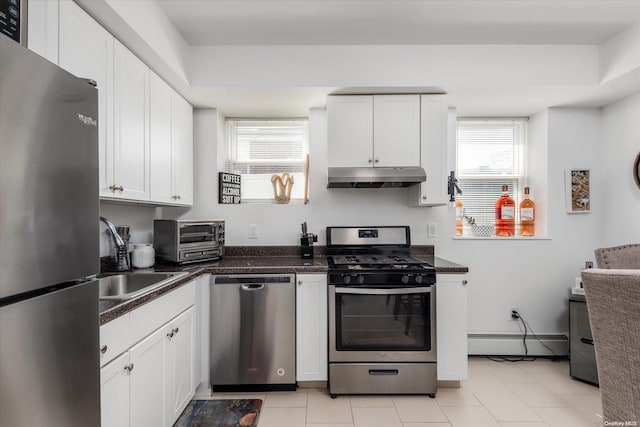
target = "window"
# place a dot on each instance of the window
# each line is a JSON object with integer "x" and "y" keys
{"x": 491, "y": 152}
{"x": 258, "y": 149}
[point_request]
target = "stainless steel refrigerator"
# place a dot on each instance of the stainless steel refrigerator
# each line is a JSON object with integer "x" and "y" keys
{"x": 49, "y": 248}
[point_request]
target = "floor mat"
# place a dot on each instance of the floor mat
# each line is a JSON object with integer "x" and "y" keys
{"x": 220, "y": 413}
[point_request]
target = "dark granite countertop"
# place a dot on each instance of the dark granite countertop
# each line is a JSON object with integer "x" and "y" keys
{"x": 254, "y": 260}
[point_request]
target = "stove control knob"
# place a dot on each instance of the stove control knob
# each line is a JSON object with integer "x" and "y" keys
{"x": 346, "y": 279}
{"x": 419, "y": 278}
{"x": 405, "y": 279}
{"x": 361, "y": 279}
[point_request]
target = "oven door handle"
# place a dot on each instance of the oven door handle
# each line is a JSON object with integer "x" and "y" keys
{"x": 388, "y": 291}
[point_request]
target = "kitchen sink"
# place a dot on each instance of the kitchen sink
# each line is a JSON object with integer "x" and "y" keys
{"x": 125, "y": 286}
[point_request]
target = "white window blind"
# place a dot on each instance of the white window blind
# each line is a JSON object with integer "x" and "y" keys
{"x": 490, "y": 153}
{"x": 258, "y": 149}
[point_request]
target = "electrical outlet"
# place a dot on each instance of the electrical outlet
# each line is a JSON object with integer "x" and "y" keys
{"x": 432, "y": 230}
{"x": 253, "y": 231}
{"x": 512, "y": 309}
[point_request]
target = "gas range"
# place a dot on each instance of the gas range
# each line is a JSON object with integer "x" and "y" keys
{"x": 381, "y": 303}
{"x": 377, "y": 256}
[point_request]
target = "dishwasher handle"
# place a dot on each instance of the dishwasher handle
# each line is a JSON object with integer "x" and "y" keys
{"x": 252, "y": 286}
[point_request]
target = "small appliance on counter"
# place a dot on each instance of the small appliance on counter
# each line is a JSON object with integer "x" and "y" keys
{"x": 185, "y": 241}
{"x": 306, "y": 242}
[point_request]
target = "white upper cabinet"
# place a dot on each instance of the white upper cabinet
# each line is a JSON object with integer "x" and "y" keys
{"x": 86, "y": 51}
{"x": 145, "y": 128}
{"x": 160, "y": 134}
{"x": 435, "y": 132}
{"x": 350, "y": 131}
{"x": 171, "y": 130}
{"x": 396, "y": 130}
{"x": 131, "y": 126}
{"x": 182, "y": 144}
{"x": 374, "y": 130}
{"x": 42, "y": 31}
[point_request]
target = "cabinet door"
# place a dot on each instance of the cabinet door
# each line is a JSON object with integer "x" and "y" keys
{"x": 396, "y": 130}
{"x": 451, "y": 323}
{"x": 182, "y": 137}
{"x": 131, "y": 137}
{"x": 311, "y": 327}
{"x": 148, "y": 380}
{"x": 86, "y": 51}
{"x": 42, "y": 31}
{"x": 180, "y": 368}
{"x": 436, "y": 131}
{"x": 160, "y": 163}
{"x": 114, "y": 393}
{"x": 350, "y": 131}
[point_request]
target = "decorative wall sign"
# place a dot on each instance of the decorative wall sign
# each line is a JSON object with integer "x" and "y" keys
{"x": 578, "y": 191}
{"x": 228, "y": 188}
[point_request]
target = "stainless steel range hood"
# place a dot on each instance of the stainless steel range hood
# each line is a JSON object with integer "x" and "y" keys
{"x": 375, "y": 177}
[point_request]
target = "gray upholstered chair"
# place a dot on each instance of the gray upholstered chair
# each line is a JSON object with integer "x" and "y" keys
{"x": 625, "y": 256}
{"x": 613, "y": 301}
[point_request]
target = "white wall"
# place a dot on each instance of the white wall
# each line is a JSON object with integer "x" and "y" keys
{"x": 619, "y": 147}
{"x": 138, "y": 217}
{"x": 534, "y": 276}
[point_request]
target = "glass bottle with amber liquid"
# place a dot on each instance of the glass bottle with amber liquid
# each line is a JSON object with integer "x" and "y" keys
{"x": 527, "y": 215}
{"x": 459, "y": 215}
{"x": 505, "y": 214}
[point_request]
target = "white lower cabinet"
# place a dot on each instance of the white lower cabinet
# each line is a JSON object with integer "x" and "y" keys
{"x": 451, "y": 324}
{"x": 148, "y": 381}
{"x": 180, "y": 364}
{"x": 114, "y": 392}
{"x": 311, "y": 327}
{"x": 152, "y": 382}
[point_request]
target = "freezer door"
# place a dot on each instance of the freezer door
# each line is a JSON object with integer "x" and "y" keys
{"x": 49, "y": 359}
{"x": 49, "y": 215}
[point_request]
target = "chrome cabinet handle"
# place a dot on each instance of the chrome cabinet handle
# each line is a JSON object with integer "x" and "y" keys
{"x": 424, "y": 197}
{"x": 121, "y": 189}
{"x": 370, "y": 161}
{"x": 176, "y": 330}
{"x": 299, "y": 282}
{"x": 179, "y": 197}
{"x": 377, "y": 160}
{"x": 171, "y": 334}
{"x": 129, "y": 367}
{"x": 464, "y": 282}
{"x": 103, "y": 349}
{"x": 113, "y": 188}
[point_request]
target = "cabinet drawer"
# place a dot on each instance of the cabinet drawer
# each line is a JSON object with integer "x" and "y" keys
{"x": 115, "y": 338}
{"x": 146, "y": 319}
{"x": 582, "y": 355}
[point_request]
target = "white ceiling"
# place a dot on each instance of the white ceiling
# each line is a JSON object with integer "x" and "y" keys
{"x": 402, "y": 22}
{"x": 333, "y": 22}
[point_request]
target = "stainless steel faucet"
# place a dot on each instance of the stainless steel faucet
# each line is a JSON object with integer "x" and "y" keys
{"x": 120, "y": 257}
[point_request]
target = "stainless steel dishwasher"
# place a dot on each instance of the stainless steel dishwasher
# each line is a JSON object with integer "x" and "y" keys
{"x": 253, "y": 345}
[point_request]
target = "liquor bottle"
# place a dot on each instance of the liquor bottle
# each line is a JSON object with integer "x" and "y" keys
{"x": 459, "y": 213}
{"x": 505, "y": 214}
{"x": 527, "y": 215}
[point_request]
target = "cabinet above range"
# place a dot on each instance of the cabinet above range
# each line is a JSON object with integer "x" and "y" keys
{"x": 389, "y": 141}
{"x": 374, "y": 130}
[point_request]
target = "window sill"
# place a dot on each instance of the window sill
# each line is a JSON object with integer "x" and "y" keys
{"x": 502, "y": 238}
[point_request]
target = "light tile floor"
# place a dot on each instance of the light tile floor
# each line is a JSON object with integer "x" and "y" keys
{"x": 522, "y": 394}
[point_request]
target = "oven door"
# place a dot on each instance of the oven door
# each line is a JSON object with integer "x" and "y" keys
{"x": 382, "y": 324}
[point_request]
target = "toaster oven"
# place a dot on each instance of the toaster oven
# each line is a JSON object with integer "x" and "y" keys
{"x": 185, "y": 241}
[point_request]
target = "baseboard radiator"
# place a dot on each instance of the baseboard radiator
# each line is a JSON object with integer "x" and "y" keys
{"x": 512, "y": 345}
